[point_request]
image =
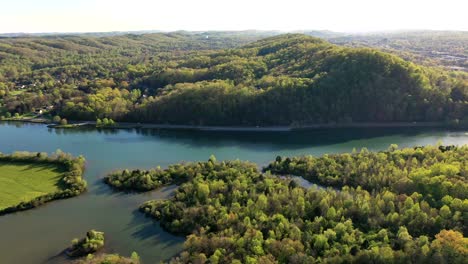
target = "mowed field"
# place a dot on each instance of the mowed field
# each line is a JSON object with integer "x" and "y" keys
{"x": 21, "y": 182}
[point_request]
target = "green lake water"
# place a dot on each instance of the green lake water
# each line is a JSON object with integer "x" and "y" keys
{"x": 40, "y": 235}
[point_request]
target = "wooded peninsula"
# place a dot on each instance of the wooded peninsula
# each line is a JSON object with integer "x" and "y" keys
{"x": 396, "y": 206}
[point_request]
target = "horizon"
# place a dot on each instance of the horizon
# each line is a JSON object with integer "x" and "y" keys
{"x": 297, "y": 31}
{"x": 101, "y": 16}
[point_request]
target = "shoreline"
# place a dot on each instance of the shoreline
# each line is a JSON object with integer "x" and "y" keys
{"x": 292, "y": 128}
{"x": 129, "y": 125}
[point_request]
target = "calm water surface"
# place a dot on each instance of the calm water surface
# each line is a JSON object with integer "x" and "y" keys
{"x": 40, "y": 235}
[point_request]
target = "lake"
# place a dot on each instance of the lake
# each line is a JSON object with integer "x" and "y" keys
{"x": 40, "y": 235}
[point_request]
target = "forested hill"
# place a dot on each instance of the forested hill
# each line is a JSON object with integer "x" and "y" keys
{"x": 294, "y": 79}
{"x": 288, "y": 79}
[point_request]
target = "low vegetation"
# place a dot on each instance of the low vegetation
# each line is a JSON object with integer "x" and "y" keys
{"x": 109, "y": 259}
{"x": 24, "y": 182}
{"x": 93, "y": 241}
{"x": 32, "y": 179}
{"x": 234, "y": 213}
{"x": 105, "y": 122}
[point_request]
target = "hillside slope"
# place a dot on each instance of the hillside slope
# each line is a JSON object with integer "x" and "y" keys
{"x": 200, "y": 79}
{"x": 294, "y": 79}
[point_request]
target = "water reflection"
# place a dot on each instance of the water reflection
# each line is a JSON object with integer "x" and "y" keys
{"x": 273, "y": 140}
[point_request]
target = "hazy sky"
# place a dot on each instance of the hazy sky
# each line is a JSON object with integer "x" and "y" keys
{"x": 124, "y": 15}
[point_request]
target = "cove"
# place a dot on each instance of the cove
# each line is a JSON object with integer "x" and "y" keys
{"x": 39, "y": 235}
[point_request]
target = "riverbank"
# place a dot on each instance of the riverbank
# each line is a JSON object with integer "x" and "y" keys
{"x": 28, "y": 120}
{"x": 127, "y": 125}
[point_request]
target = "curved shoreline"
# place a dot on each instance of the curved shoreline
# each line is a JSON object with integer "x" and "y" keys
{"x": 129, "y": 125}
{"x": 295, "y": 128}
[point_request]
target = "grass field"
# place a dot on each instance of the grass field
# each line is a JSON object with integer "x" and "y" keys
{"x": 22, "y": 182}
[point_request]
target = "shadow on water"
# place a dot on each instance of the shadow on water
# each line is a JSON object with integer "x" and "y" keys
{"x": 205, "y": 138}
{"x": 145, "y": 229}
{"x": 149, "y": 229}
{"x": 279, "y": 139}
{"x": 251, "y": 139}
{"x": 100, "y": 188}
{"x": 60, "y": 258}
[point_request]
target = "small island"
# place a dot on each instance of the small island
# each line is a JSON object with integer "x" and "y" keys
{"x": 82, "y": 251}
{"x": 93, "y": 241}
{"x": 32, "y": 179}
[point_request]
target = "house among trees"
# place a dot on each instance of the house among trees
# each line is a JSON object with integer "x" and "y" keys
{"x": 44, "y": 109}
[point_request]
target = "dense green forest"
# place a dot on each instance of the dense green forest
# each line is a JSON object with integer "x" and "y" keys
{"x": 395, "y": 206}
{"x": 435, "y": 173}
{"x": 36, "y": 72}
{"x": 218, "y": 79}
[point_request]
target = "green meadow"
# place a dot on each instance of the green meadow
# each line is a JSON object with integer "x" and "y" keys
{"x": 22, "y": 182}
